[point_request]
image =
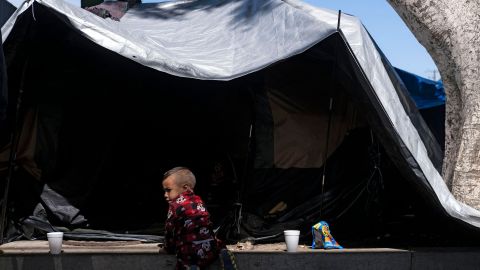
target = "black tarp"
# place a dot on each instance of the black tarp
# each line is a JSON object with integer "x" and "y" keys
{"x": 3, "y": 84}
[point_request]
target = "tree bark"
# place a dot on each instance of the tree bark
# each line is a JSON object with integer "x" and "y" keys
{"x": 449, "y": 30}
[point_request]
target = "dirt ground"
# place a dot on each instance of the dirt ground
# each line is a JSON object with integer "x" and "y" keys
{"x": 71, "y": 246}
{"x": 249, "y": 246}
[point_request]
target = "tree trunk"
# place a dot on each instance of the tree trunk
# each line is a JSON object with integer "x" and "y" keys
{"x": 449, "y": 30}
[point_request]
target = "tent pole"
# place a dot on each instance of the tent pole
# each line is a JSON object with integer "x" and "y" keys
{"x": 239, "y": 204}
{"x": 15, "y": 138}
{"x": 330, "y": 112}
{"x": 338, "y": 21}
{"x": 240, "y": 188}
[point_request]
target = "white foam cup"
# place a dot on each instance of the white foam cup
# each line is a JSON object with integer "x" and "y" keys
{"x": 55, "y": 240}
{"x": 291, "y": 239}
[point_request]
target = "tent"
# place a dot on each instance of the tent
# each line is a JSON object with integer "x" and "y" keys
{"x": 286, "y": 113}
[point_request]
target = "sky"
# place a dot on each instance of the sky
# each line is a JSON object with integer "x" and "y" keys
{"x": 389, "y": 32}
{"x": 386, "y": 27}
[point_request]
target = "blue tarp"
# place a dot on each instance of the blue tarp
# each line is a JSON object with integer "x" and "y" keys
{"x": 425, "y": 92}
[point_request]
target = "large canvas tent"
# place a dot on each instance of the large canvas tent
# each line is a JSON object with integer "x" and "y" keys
{"x": 286, "y": 113}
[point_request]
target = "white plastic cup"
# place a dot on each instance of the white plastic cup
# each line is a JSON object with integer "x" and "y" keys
{"x": 291, "y": 239}
{"x": 55, "y": 240}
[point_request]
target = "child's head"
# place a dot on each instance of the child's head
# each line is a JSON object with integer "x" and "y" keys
{"x": 176, "y": 181}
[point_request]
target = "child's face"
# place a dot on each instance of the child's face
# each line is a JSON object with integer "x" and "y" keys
{"x": 172, "y": 189}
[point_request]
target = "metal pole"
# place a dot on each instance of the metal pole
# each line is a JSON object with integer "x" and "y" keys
{"x": 15, "y": 137}
{"x": 330, "y": 112}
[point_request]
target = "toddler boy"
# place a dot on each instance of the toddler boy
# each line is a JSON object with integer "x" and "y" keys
{"x": 188, "y": 230}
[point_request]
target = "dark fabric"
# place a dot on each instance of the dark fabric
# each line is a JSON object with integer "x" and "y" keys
{"x": 61, "y": 208}
{"x": 3, "y": 86}
{"x": 301, "y": 112}
{"x": 189, "y": 232}
{"x": 263, "y": 131}
{"x": 435, "y": 118}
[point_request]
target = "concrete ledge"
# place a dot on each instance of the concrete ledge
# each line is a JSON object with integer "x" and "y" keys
{"x": 30, "y": 255}
{"x": 446, "y": 258}
{"x": 86, "y": 262}
{"x": 260, "y": 260}
{"x": 324, "y": 260}
{"x": 80, "y": 247}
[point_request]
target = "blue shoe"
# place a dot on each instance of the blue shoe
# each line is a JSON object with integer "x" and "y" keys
{"x": 227, "y": 259}
{"x": 322, "y": 238}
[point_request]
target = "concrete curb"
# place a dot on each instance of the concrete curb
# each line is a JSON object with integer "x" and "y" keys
{"x": 33, "y": 255}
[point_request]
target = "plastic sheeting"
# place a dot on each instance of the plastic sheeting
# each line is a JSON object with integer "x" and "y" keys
{"x": 426, "y": 93}
{"x": 429, "y": 96}
{"x": 6, "y": 10}
{"x": 223, "y": 40}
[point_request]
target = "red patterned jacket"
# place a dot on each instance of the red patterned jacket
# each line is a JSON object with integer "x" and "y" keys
{"x": 188, "y": 232}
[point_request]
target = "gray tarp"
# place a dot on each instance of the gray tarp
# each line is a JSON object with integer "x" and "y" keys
{"x": 222, "y": 40}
